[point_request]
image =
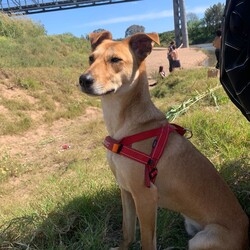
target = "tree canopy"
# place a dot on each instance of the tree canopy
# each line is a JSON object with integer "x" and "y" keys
{"x": 213, "y": 17}
{"x": 133, "y": 29}
{"x": 203, "y": 30}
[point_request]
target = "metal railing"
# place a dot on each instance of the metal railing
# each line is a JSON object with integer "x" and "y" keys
{"x": 25, "y": 7}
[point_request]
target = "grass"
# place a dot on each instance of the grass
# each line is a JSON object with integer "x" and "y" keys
{"x": 19, "y": 124}
{"x": 79, "y": 207}
{"x": 42, "y": 67}
{"x": 50, "y": 92}
{"x": 35, "y": 48}
{"x": 57, "y": 199}
{"x": 11, "y": 167}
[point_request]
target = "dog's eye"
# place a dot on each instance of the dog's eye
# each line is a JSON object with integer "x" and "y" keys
{"x": 115, "y": 60}
{"x": 91, "y": 59}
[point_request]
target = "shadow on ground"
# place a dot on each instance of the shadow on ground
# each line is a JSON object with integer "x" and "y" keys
{"x": 95, "y": 222}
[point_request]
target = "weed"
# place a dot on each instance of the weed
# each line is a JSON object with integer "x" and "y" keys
{"x": 10, "y": 167}
{"x": 29, "y": 84}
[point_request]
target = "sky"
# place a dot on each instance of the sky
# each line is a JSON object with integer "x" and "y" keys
{"x": 154, "y": 15}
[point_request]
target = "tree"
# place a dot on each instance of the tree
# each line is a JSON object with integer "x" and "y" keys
{"x": 213, "y": 17}
{"x": 192, "y": 17}
{"x": 166, "y": 38}
{"x": 94, "y": 31}
{"x": 203, "y": 30}
{"x": 98, "y": 30}
{"x": 196, "y": 31}
{"x": 133, "y": 29}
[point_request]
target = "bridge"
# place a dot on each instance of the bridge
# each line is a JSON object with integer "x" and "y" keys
{"x": 27, "y": 7}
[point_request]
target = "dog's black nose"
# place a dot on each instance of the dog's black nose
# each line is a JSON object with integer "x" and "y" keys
{"x": 86, "y": 80}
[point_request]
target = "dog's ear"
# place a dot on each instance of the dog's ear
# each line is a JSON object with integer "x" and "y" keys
{"x": 97, "y": 38}
{"x": 142, "y": 44}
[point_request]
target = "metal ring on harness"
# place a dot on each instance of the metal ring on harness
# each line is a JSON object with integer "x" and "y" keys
{"x": 189, "y": 134}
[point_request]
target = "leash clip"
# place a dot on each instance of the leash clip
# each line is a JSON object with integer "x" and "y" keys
{"x": 190, "y": 133}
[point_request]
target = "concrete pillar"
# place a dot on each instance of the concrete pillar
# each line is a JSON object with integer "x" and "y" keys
{"x": 180, "y": 23}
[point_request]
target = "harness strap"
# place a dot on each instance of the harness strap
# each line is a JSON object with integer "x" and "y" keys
{"x": 151, "y": 171}
{"x": 118, "y": 148}
{"x": 151, "y": 133}
{"x": 123, "y": 147}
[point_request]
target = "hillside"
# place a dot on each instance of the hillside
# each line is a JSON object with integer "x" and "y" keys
{"x": 56, "y": 190}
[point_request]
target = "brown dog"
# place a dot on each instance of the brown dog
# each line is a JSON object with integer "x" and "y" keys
{"x": 186, "y": 182}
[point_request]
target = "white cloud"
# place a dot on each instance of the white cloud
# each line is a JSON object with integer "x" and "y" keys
{"x": 142, "y": 17}
{"x": 124, "y": 19}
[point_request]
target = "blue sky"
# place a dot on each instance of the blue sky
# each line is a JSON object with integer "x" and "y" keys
{"x": 154, "y": 15}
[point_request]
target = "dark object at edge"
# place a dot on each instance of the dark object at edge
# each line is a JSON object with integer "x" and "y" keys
{"x": 235, "y": 54}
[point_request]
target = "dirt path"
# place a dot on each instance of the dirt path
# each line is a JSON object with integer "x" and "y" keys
{"x": 189, "y": 58}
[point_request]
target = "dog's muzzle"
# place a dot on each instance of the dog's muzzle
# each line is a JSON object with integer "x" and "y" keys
{"x": 86, "y": 81}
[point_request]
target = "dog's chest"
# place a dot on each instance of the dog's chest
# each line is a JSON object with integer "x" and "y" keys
{"x": 126, "y": 170}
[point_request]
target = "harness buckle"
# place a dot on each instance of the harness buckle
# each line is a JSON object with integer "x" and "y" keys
{"x": 117, "y": 147}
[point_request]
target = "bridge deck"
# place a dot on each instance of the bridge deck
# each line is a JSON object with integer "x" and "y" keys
{"x": 38, "y": 6}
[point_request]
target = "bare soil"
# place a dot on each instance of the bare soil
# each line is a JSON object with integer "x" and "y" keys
{"x": 189, "y": 58}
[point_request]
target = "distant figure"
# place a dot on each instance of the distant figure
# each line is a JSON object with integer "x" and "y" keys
{"x": 217, "y": 45}
{"x": 175, "y": 58}
{"x": 170, "y": 60}
{"x": 162, "y": 72}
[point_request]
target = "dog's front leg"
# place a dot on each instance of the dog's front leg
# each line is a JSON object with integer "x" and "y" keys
{"x": 146, "y": 205}
{"x": 129, "y": 220}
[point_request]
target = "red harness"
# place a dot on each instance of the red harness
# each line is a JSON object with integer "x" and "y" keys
{"x": 123, "y": 147}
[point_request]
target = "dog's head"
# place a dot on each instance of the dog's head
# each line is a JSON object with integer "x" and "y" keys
{"x": 115, "y": 65}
